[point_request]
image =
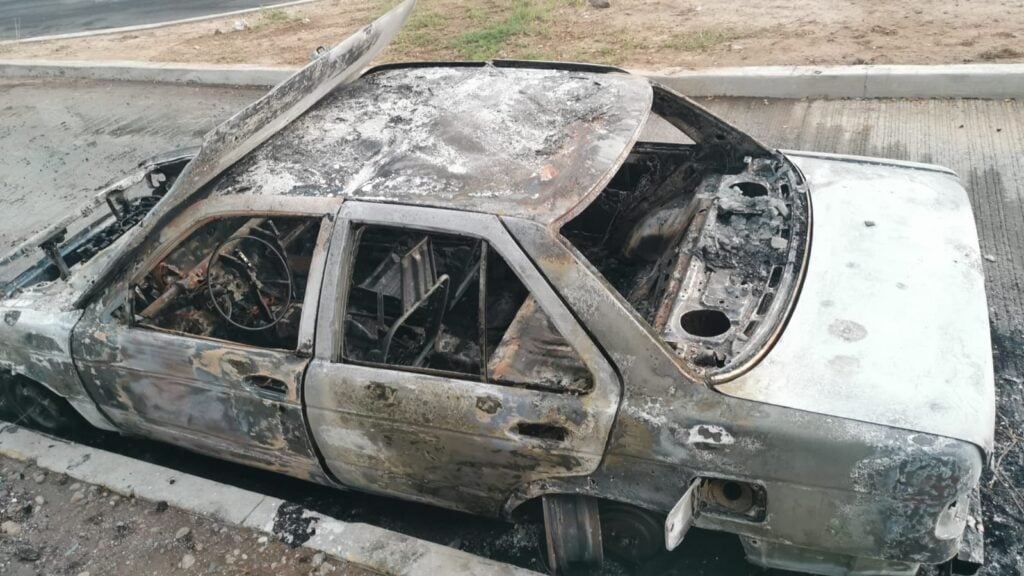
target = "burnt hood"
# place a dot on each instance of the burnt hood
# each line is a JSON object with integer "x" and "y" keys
{"x": 254, "y": 125}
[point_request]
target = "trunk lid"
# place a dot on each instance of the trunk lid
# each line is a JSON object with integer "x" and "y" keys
{"x": 891, "y": 326}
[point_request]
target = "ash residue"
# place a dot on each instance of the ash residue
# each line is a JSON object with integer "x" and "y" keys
{"x": 750, "y": 234}
{"x": 1001, "y": 492}
{"x": 511, "y": 141}
{"x": 292, "y": 525}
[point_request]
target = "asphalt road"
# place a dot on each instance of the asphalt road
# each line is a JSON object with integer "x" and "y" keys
{"x": 21, "y": 19}
{"x": 60, "y": 139}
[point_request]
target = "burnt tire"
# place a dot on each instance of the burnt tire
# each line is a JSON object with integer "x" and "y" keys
{"x": 631, "y": 534}
{"x": 35, "y": 405}
{"x": 572, "y": 529}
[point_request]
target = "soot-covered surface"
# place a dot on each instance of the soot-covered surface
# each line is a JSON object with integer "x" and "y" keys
{"x": 517, "y": 142}
{"x": 978, "y": 139}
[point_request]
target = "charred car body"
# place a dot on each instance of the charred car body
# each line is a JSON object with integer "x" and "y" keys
{"x": 476, "y": 286}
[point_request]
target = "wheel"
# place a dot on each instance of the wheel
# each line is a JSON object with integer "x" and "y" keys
{"x": 35, "y": 404}
{"x": 631, "y": 534}
{"x": 572, "y": 528}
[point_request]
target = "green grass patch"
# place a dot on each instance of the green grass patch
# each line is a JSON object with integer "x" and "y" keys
{"x": 700, "y": 40}
{"x": 275, "y": 16}
{"x": 423, "y": 30}
{"x": 525, "y": 18}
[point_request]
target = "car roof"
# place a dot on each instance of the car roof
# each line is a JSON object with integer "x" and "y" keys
{"x": 530, "y": 142}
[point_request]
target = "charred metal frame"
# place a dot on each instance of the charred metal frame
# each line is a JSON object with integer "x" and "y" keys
{"x": 671, "y": 427}
{"x": 262, "y": 425}
{"x": 490, "y": 414}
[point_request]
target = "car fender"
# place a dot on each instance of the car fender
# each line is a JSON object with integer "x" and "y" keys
{"x": 35, "y": 343}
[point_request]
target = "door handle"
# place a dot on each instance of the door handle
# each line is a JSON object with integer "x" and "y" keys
{"x": 543, "y": 431}
{"x": 267, "y": 384}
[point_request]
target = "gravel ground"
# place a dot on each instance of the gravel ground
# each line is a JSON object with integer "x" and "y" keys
{"x": 54, "y": 526}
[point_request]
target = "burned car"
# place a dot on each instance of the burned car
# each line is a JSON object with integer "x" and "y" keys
{"x": 482, "y": 287}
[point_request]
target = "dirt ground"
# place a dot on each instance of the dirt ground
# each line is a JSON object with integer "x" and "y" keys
{"x": 654, "y": 35}
{"x": 51, "y": 525}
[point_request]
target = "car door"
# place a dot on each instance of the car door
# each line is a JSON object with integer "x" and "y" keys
{"x": 446, "y": 368}
{"x": 181, "y": 351}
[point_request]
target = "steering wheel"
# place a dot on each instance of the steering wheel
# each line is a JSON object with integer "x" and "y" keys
{"x": 249, "y": 283}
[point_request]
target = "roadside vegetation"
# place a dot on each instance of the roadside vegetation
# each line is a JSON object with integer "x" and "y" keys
{"x": 485, "y": 30}
{"x": 275, "y": 16}
{"x": 639, "y": 34}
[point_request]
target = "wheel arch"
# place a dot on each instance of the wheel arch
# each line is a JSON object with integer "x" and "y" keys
{"x": 529, "y": 495}
{"x": 629, "y": 531}
{"x": 84, "y": 406}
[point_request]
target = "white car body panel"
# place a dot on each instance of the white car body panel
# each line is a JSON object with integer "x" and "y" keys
{"x": 891, "y": 326}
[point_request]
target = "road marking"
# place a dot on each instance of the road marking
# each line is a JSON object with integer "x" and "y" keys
{"x": 163, "y": 24}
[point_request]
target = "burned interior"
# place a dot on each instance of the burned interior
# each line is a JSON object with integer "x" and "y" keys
{"x": 450, "y": 304}
{"x": 705, "y": 244}
{"x": 237, "y": 279}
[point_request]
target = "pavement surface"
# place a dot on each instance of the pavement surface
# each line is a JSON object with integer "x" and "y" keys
{"x": 61, "y": 139}
{"x": 20, "y": 19}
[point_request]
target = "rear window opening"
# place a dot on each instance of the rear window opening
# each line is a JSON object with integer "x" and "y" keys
{"x": 702, "y": 229}
{"x": 645, "y": 210}
{"x": 693, "y": 249}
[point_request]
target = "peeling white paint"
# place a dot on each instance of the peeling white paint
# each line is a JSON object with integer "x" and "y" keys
{"x": 710, "y": 434}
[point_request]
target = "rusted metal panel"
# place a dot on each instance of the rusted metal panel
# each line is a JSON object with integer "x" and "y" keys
{"x": 441, "y": 440}
{"x": 204, "y": 394}
{"x": 879, "y": 496}
{"x": 532, "y": 352}
{"x": 459, "y": 443}
{"x": 196, "y": 393}
{"x": 35, "y": 332}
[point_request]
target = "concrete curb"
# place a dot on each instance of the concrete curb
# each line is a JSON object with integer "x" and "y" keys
{"x": 163, "y": 24}
{"x": 166, "y": 72}
{"x": 369, "y": 546}
{"x": 984, "y": 81}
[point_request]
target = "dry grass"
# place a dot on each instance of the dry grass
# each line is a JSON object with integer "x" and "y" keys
{"x": 648, "y": 34}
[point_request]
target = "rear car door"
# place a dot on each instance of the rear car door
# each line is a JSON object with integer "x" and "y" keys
{"x": 447, "y": 370}
{"x": 207, "y": 344}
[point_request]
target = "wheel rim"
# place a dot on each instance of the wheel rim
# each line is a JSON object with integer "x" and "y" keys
{"x": 37, "y": 406}
{"x": 572, "y": 528}
{"x": 631, "y": 534}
